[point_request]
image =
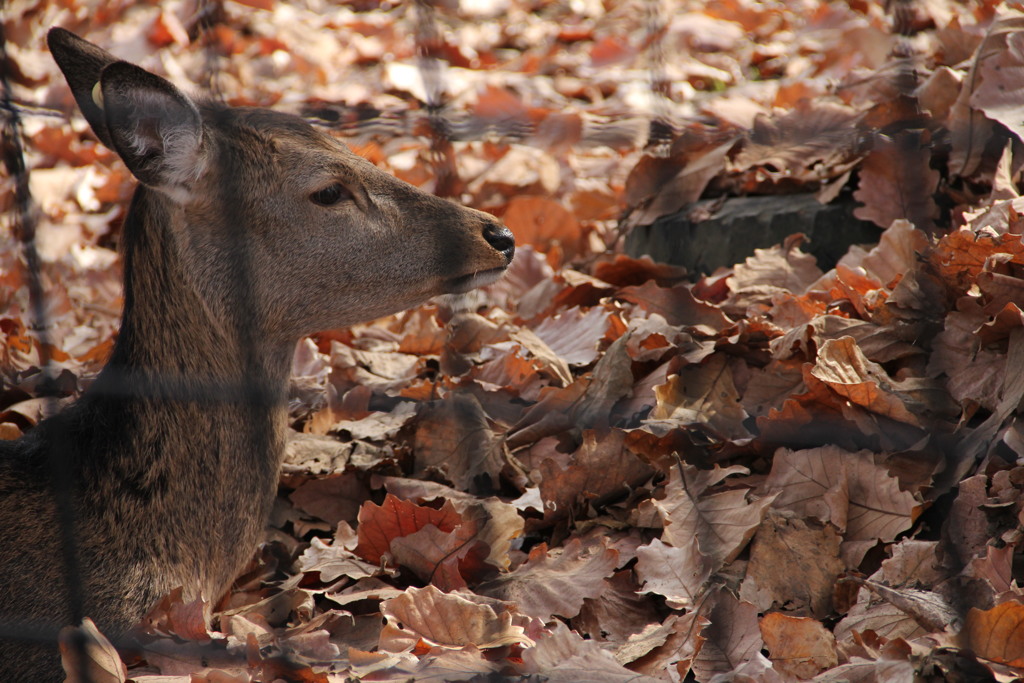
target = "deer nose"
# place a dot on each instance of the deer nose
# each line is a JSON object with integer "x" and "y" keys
{"x": 501, "y": 238}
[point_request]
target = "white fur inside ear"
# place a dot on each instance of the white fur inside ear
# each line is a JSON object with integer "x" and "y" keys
{"x": 171, "y": 131}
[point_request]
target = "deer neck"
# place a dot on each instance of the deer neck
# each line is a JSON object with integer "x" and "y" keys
{"x": 182, "y": 327}
{"x": 175, "y": 366}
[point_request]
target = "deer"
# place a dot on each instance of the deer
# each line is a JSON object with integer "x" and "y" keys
{"x": 249, "y": 229}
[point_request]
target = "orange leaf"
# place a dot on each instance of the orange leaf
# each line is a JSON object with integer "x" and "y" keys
{"x": 798, "y": 645}
{"x": 997, "y": 634}
{"x": 394, "y": 518}
{"x": 540, "y": 222}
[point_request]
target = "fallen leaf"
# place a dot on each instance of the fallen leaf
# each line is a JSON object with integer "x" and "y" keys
{"x": 700, "y": 395}
{"x": 601, "y": 469}
{"x": 678, "y": 574}
{"x": 843, "y": 367}
{"x": 722, "y": 523}
{"x": 847, "y": 489}
{"x": 732, "y": 637}
{"x": 897, "y": 182}
{"x": 454, "y": 438}
{"x": 394, "y": 518}
{"x": 798, "y": 646}
{"x": 101, "y": 662}
{"x": 451, "y": 620}
{"x": 793, "y": 565}
{"x": 997, "y": 634}
{"x": 555, "y": 583}
{"x": 564, "y": 657}
{"x": 332, "y": 562}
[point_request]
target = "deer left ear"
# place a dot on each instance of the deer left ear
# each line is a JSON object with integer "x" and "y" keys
{"x": 155, "y": 128}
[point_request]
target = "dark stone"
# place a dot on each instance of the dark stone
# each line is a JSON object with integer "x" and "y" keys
{"x": 743, "y": 224}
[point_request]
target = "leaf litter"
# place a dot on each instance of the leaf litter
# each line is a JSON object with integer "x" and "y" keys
{"x": 603, "y": 468}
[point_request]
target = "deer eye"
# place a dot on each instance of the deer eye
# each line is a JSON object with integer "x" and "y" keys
{"x": 330, "y": 195}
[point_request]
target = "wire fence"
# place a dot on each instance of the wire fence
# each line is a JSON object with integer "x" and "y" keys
{"x": 443, "y": 126}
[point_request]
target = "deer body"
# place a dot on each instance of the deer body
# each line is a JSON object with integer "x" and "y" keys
{"x": 250, "y": 230}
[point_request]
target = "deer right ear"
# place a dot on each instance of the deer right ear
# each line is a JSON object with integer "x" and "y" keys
{"x": 154, "y": 127}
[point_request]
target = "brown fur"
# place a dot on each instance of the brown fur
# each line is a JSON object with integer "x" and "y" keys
{"x": 174, "y": 451}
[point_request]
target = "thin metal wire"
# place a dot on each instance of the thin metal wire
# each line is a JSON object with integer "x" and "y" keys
{"x": 429, "y": 41}
{"x": 57, "y": 455}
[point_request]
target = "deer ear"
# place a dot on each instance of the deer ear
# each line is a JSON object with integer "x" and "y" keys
{"x": 82, "y": 63}
{"x": 155, "y": 128}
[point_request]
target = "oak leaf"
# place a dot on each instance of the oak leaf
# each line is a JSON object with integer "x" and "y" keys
{"x": 394, "y": 518}
{"x": 453, "y": 437}
{"x": 897, "y": 182}
{"x": 451, "y": 620}
{"x": 848, "y": 489}
{"x": 334, "y": 561}
{"x": 701, "y": 395}
{"x": 732, "y": 638}
{"x": 722, "y": 523}
{"x": 678, "y": 574}
{"x": 574, "y": 335}
{"x": 798, "y": 645}
{"x": 793, "y": 565}
{"x": 562, "y": 656}
{"x": 556, "y": 582}
{"x": 618, "y": 613}
{"x": 997, "y": 634}
{"x": 843, "y": 367}
{"x": 600, "y": 469}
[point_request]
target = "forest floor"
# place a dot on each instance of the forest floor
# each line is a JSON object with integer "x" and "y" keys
{"x": 604, "y": 468}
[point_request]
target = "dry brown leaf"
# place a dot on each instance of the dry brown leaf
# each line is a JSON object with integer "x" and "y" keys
{"x": 102, "y": 663}
{"x": 394, "y": 518}
{"x": 770, "y": 272}
{"x": 564, "y": 657}
{"x": 332, "y": 499}
{"x": 554, "y": 364}
{"x": 618, "y": 613}
{"x": 678, "y": 306}
{"x": 678, "y": 574}
{"x": 793, "y": 566}
{"x": 722, "y": 523}
{"x": 997, "y": 634}
{"x": 897, "y": 182}
{"x": 675, "y": 656}
{"x": 816, "y": 140}
{"x": 575, "y": 335}
{"x": 732, "y": 638}
{"x": 769, "y": 386}
{"x": 454, "y": 438}
{"x": 700, "y": 395}
{"x": 797, "y": 645}
{"x": 895, "y": 254}
{"x": 451, "y": 620}
{"x": 556, "y": 582}
{"x": 334, "y": 561}
{"x": 974, "y": 374}
{"x": 962, "y": 255}
{"x": 843, "y": 367}
{"x": 996, "y": 568}
{"x": 601, "y": 469}
{"x": 541, "y": 222}
{"x": 966, "y": 529}
{"x": 661, "y": 185}
{"x": 442, "y": 558}
{"x": 489, "y": 520}
{"x": 847, "y": 489}
{"x": 1000, "y": 69}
